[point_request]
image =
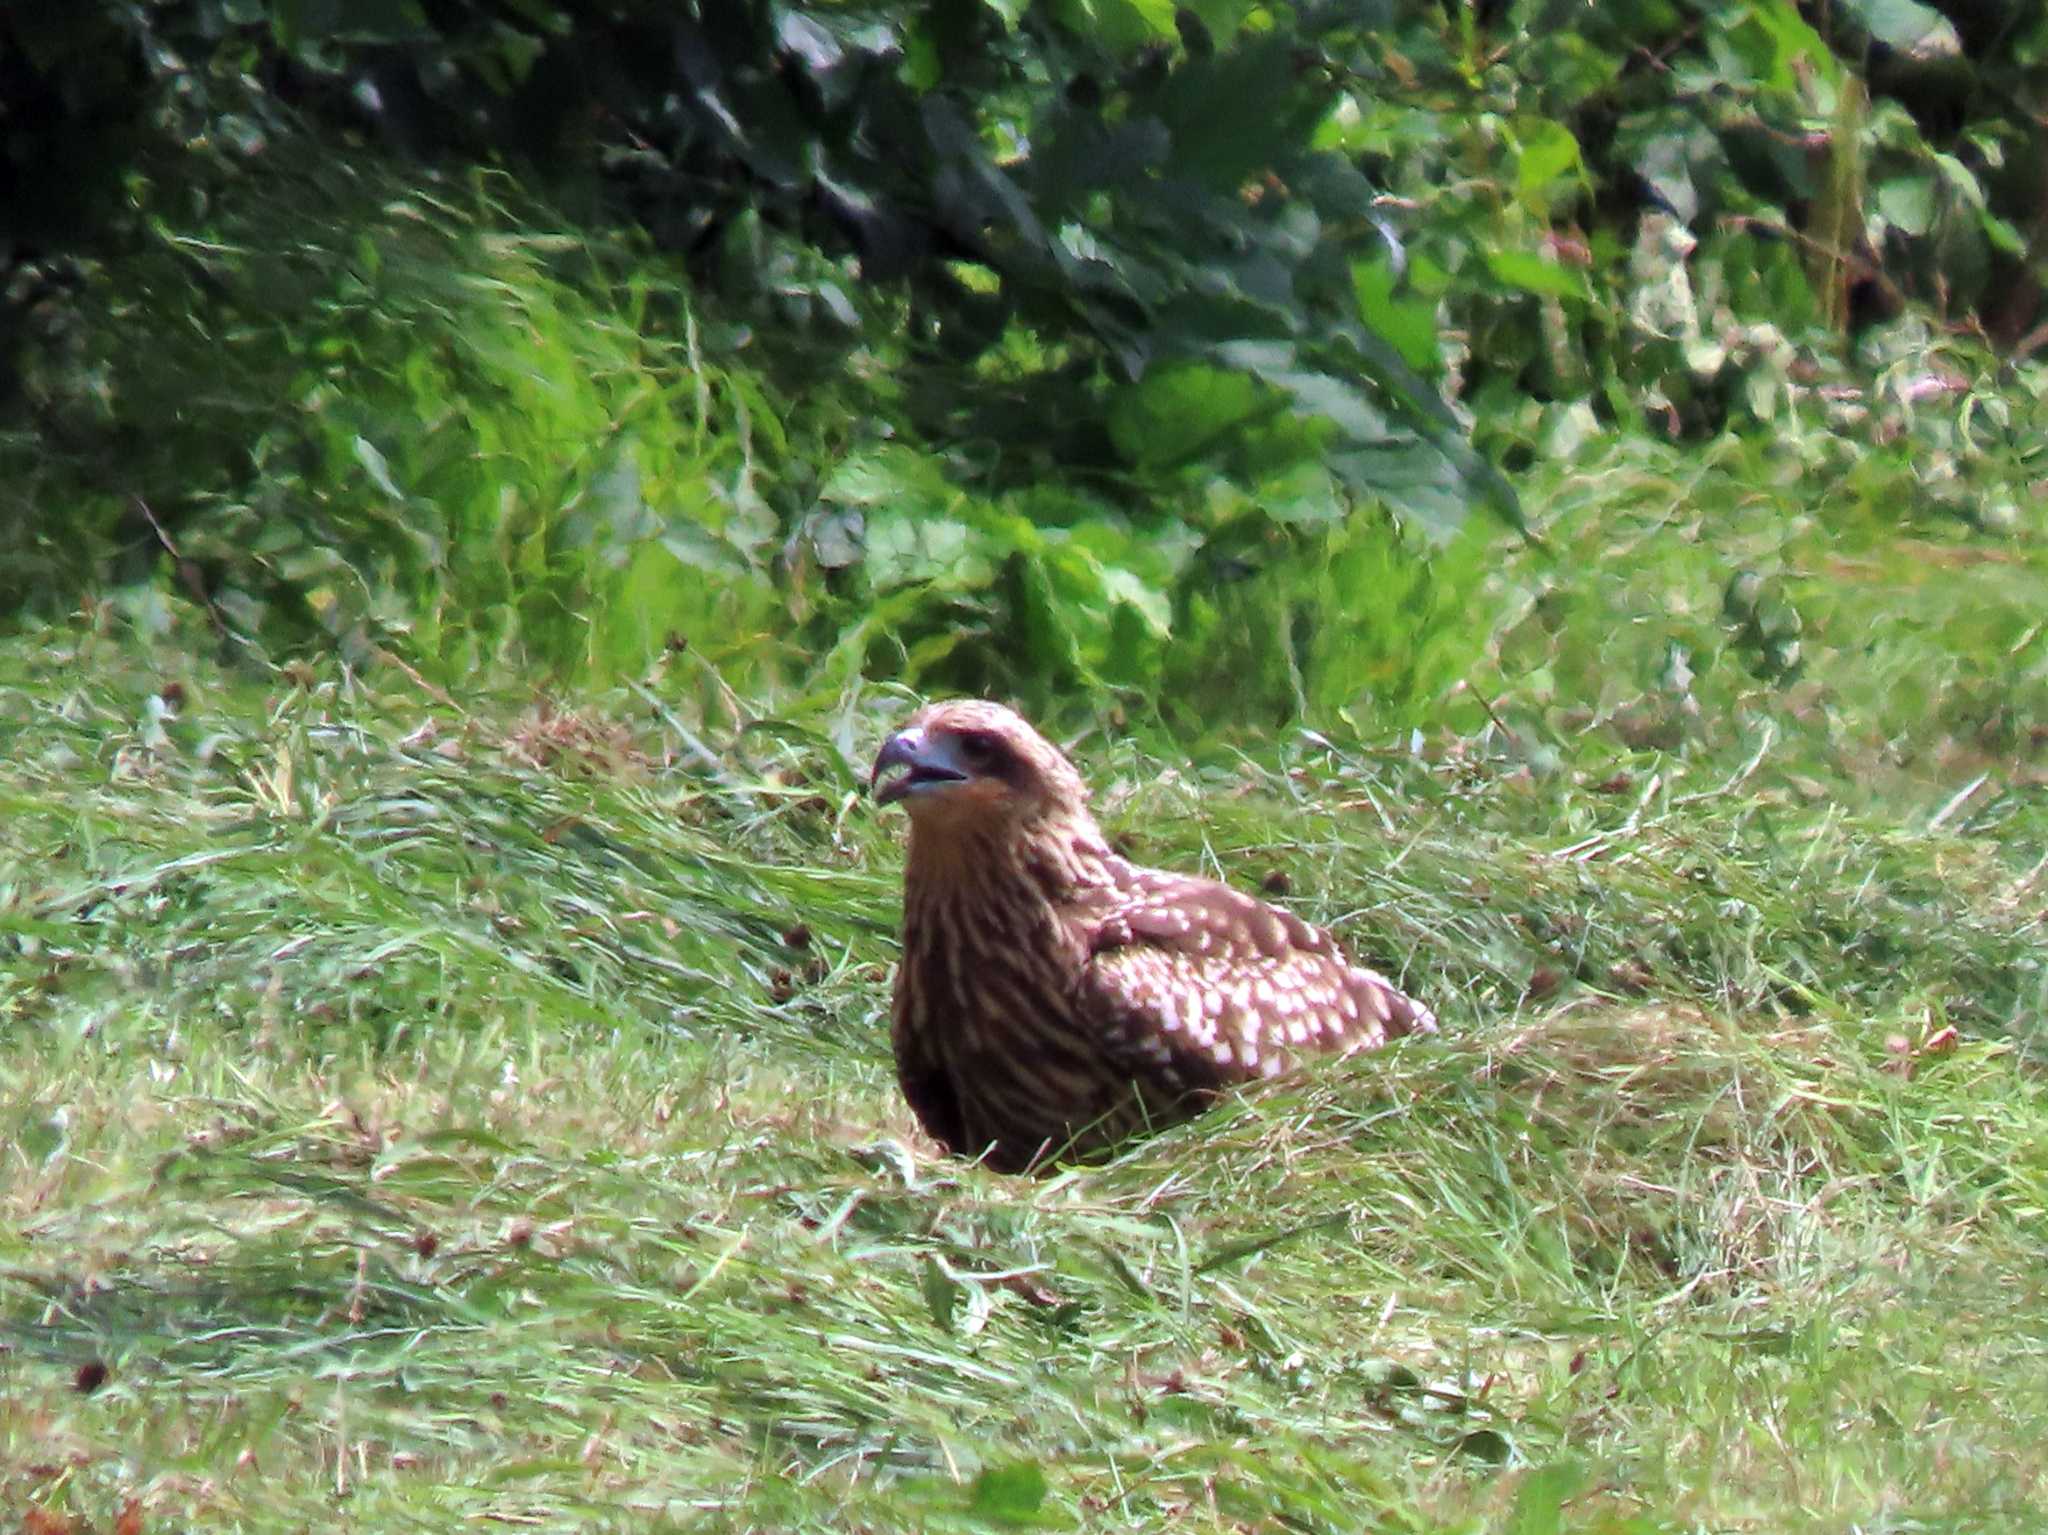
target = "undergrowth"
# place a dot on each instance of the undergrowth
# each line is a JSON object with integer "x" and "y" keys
{"x": 433, "y": 417}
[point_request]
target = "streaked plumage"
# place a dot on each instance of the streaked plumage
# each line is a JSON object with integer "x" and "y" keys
{"x": 1052, "y": 995}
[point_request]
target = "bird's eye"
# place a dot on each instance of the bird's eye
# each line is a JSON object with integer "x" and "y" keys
{"x": 980, "y": 750}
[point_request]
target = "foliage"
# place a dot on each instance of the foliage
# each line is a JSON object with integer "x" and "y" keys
{"x": 1119, "y": 222}
{"x": 1655, "y": 208}
{"x": 981, "y": 348}
{"x": 435, "y": 425}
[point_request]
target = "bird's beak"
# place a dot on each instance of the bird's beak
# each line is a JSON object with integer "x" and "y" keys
{"x": 932, "y": 763}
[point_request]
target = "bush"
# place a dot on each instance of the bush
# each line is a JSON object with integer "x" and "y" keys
{"x": 987, "y": 348}
{"x": 418, "y": 423}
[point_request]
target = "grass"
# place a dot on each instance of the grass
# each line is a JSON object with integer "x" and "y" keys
{"x": 421, "y": 1113}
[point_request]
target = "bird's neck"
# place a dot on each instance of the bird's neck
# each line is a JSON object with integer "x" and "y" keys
{"x": 1052, "y": 862}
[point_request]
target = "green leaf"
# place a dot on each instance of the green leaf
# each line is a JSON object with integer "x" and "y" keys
{"x": 1302, "y": 496}
{"x": 1010, "y": 1494}
{"x": 1118, "y": 26}
{"x": 1229, "y": 114}
{"x": 1535, "y": 274}
{"x": 700, "y": 549}
{"x": 376, "y": 466}
{"x": 1779, "y": 46}
{"x": 1961, "y": 178}
{"x": 941, "y": 1292}
{"x": 1548, "y": 154}
{"x": 1907, "y": 202}
{"x": 2004, "y": 234}
{"x": 1148, "y": 602}
{"x": 1918, "y": 31}
{"x": 1406, "y": 321}
{"x": 1541, "y": 1498}
{"x": 905, "y": 546}
{"x": 1172, "y": 414}
{"x": 889, "y": 476}
{"x": 922, "y": 69}
{"x": 1427, "y": 486}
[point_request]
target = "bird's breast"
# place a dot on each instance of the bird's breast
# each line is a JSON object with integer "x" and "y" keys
{"x": 981, "y": 971}
{"x": 988, "y": 994}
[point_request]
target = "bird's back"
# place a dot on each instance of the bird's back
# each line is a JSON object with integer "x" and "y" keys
{"x": 1071, "y": 1023}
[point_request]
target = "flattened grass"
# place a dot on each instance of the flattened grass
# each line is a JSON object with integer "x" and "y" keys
{"x": 417, "y": 1114}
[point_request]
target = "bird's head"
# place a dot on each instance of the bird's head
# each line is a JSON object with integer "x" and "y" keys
{"x": 969, "y": 762}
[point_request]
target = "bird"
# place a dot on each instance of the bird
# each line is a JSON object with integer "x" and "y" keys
{"x": 1053, "y": 998}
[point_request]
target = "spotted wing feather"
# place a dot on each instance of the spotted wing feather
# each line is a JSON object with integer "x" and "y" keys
{"x": 1208, "y": 986}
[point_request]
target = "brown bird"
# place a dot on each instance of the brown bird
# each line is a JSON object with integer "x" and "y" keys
{"x": 1054, "y": 997}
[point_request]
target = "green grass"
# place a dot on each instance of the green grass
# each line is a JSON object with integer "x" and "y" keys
{"x": 420, "y": 1113}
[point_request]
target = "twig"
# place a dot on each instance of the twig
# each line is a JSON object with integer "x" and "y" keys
{"x": 1742, "y": 774}
{"x": 1498, "y": 723}
{"x": 1960, "y": 798}
{"x": 705, "y": 757}
{"x": 440, "y": 695}
{"x": 188, "y": 573}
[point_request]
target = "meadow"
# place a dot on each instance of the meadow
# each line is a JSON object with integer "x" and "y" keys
{"x": 1554, "y": 492}
{"x": 430, "y": 1106}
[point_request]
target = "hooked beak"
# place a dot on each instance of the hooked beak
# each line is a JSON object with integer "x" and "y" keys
{"x": 930, "y": 762}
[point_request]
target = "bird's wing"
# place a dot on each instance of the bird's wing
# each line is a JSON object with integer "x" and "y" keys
{"x": 1191, "y": 976}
